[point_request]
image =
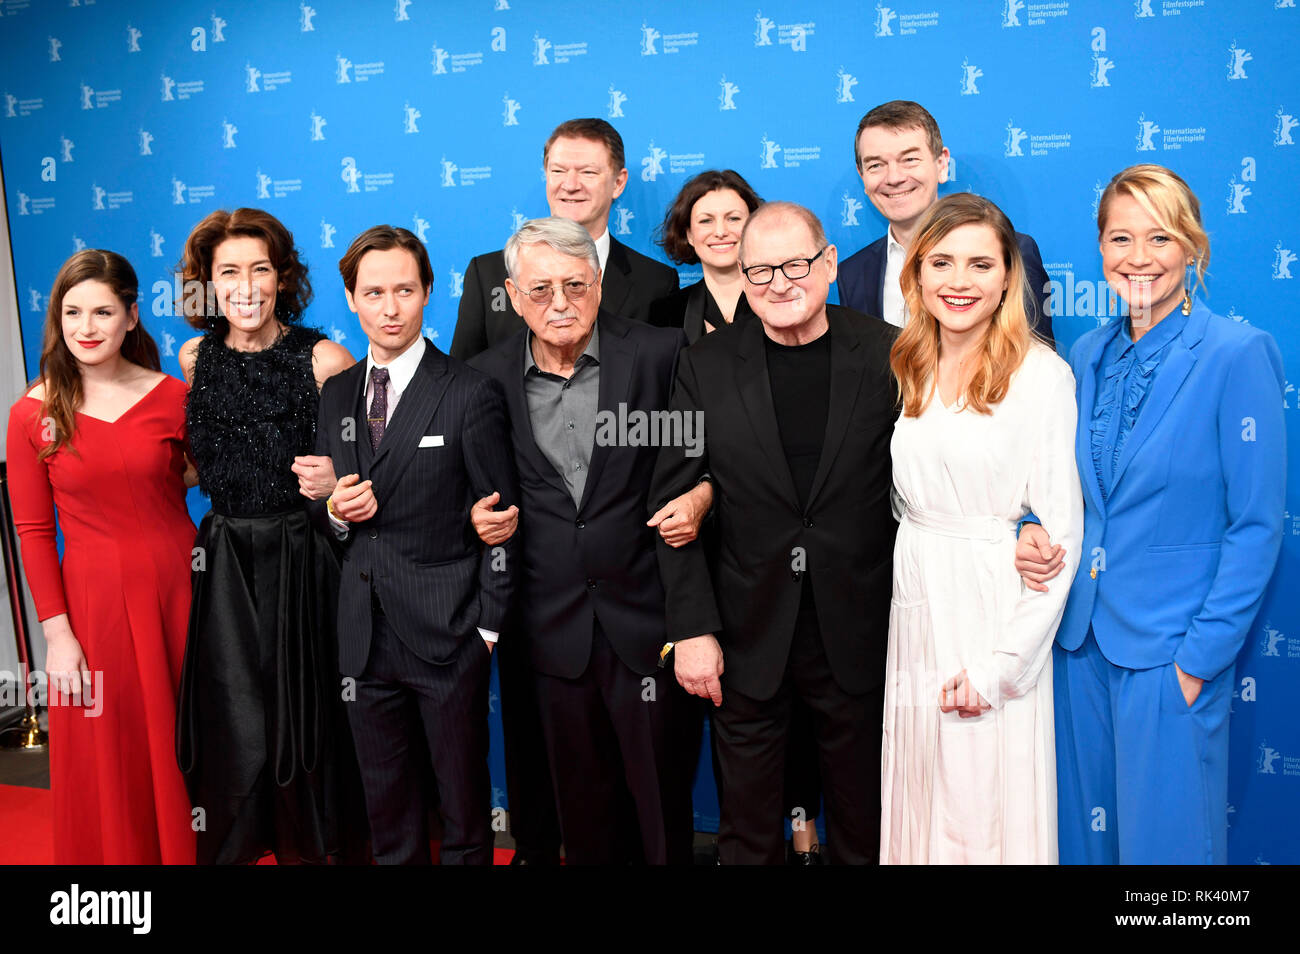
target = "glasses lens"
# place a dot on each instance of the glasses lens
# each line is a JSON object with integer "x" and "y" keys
{"x": 797, "y": 269}
{"x": 759, "y": 274}
{"x": 541, "y": 294}
{"x": 574, "y": 290}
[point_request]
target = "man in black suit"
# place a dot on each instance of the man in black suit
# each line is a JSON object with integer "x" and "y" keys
{"x": 419, "y": 436}
{"x": 584, "y": 164}
{"x": 901, "y": 158}
{"x": 583, "y": 160}
{"x": 590, "y": 612}
{"x": 800, "y": 408}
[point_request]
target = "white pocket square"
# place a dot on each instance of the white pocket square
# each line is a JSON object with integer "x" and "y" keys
{"x": 431, "y": 440}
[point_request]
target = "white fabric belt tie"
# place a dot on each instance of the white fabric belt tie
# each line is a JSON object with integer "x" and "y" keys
{"x": 988, "y": 529}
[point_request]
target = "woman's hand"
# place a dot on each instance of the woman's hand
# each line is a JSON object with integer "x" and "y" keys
{"x": 493, "y": 526}
{"x": 65, "y": 664}
{"x": 316, "y": 479}
{"x": 1037, "y": 558}
{"x": 1191, "y": 685}
{"x": 679, "y": 520}
{"x": 957, "y": 693}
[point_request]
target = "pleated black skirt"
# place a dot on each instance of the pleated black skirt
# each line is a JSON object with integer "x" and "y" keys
{"x": 261, "y": 734}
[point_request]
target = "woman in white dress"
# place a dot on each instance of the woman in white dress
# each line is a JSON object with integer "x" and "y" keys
{"x": 986, "y": 436}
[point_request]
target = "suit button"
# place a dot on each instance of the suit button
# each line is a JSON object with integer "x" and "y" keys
{"x": 579, "y": 524}
{"x": 796, "y": 575}
{"x": 374, "y": 534}
{"x": 1094, "y": 572}
{"x": 591, "y": 584}
{"x": 807, "y": 521}
{"x": 365, "y": 578}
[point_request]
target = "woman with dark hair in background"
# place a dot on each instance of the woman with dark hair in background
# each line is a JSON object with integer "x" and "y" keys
{"x": 100, "y": 438}
{"x": 703, "y": 225}
{"x": 260, "y": 737}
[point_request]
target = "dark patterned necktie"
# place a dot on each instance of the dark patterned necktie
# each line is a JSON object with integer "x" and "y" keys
{"x": 378, "y": 406}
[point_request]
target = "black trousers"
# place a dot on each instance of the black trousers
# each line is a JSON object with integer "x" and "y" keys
{"x": 612, "y": 738}
{"x": 752, "y": 736}
{"x": 533, "y": 819}
{"x": 404, "y": 705}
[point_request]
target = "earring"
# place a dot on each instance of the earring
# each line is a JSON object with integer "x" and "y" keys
{"x": 1187, "y": 302}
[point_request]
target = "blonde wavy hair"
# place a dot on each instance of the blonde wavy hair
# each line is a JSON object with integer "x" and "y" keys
{"x": 915, "y": 355}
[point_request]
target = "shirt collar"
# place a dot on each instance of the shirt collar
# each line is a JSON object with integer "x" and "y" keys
{"x": 602, "y": 249}
{"x": 893, "y": 245}
{"x": 592, "y": 351}
{"x": 1151, "y": 343}
{"x": 402, "y": 368}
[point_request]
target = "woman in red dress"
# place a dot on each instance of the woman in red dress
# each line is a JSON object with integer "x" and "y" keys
{"x": 101, "y": 438}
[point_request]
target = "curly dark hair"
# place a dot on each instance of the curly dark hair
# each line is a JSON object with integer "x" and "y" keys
{"x": 671, "y": 233}
{"x": 195, "y": 266}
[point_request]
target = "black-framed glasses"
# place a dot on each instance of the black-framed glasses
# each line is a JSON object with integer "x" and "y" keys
{"x": 794, "y": 269}
{"x": 574, "y": 290}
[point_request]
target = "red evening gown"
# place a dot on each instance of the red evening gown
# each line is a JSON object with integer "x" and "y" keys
{"x": 125, "y": 584}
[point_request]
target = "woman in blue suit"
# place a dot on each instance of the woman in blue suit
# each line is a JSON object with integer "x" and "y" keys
{"x": 1181, "y": 452}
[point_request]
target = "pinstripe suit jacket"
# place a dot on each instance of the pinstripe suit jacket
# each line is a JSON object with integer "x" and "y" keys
{"x": 446, "y": 445}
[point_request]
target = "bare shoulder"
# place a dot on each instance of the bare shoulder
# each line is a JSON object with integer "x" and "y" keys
{"x": 187, "y": 356}
{"x": 37, "y": 393}
{"x": 329, "y": 358}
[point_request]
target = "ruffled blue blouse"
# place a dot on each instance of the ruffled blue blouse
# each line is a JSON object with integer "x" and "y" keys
{"x": 1124, "y": 377}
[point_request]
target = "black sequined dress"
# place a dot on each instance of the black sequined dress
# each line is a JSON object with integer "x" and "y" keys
{"x": 261, "y": 736}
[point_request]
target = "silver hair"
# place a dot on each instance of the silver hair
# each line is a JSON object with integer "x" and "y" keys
{"x": 564, "y": 235}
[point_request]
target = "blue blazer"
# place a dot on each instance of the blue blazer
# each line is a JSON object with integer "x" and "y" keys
{"x": 1175, "y": 563}
{"x": 862, "y": 283}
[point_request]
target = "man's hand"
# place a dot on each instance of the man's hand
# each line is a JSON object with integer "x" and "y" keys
{"x": 957, "y": 693}
{"x": 1037, "y": 558}
{"x": 316, "y": 478}
{"x": 679, "y": 520}
{"x": 354, "y": 502}
{"x": 1191, "y": 685}
{"x": 493, "y": 526}
{"x": 697, "y": 663}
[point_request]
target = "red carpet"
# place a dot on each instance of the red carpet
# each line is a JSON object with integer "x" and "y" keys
{"x": 25, "y": 837}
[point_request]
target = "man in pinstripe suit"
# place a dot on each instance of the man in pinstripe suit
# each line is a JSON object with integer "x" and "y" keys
{"x": 419, "y": 437}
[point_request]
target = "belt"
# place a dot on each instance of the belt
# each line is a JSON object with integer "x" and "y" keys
{"x": 988, "y": 529}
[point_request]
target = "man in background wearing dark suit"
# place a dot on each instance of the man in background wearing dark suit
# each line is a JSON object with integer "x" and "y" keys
{"x": 901, "y": 158}
{"x": 419, "y": 437}
{"x": 584, "y": 164}
{"x": 800, "y": 408}
{"x": 583, "y": 160}
{"x": 590, "y": 608}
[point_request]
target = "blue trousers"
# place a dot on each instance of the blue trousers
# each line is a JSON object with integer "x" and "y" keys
{"x": 1142, "y": 778}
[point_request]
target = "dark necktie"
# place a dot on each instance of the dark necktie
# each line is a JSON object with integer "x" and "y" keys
{"x": 378, "y": 406}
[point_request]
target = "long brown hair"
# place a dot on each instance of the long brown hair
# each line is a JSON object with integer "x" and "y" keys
{"x": 915, "y": 355}
{"x": 60, "y": 372}
{"x": 293, "y": 292}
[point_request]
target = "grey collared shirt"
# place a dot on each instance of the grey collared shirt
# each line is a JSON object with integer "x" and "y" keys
{"x": 563, "y": 412}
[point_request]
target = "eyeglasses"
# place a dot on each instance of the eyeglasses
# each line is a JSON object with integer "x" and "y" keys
{"x": 794, "y": 269}
{"x": 573, "y": 290}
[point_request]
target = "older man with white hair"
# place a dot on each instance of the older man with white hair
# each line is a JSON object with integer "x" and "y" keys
{"x": 590, "y": 609}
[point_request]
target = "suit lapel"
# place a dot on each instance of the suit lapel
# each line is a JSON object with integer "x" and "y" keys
{"x": 615, "y": 283}
{"x": 414, "y": 410}
{"x": 693, "y": 321}
{"x": 756, "y": 394}
{"x": 1169, "y": 379}
{"x": 359, "y": 446}
{"x": 846, "y": 379}
{"x": 617, "y": 357}
{"x": 882, "y": 264}
{"x": 1083, "y": 432}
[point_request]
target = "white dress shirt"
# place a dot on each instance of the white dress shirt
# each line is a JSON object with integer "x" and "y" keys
{"x": 894, "y": 307}
{"x": 602, "y": 249}
{"x": 400, "y": 371}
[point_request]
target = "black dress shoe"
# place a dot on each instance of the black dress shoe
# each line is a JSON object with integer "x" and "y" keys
{"x": 811, "y": 857}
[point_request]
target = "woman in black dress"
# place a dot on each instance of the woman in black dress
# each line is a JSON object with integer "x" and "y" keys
{"x": 260, "y": 735}
{"x": 703, "y": 225}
